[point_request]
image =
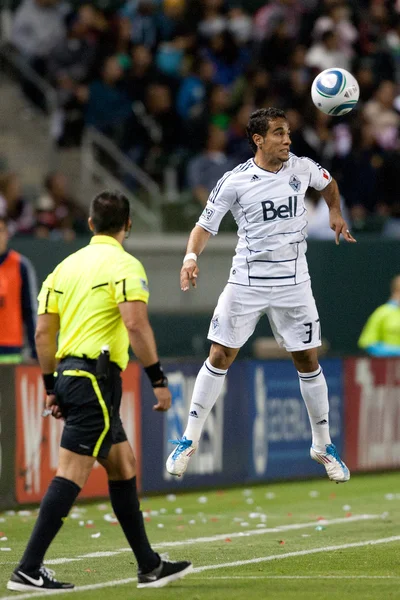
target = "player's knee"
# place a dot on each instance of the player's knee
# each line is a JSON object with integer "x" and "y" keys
{"x": 121, "y": 472}
{"x": 219, "y": 357}
{"x": 305, "y": 362}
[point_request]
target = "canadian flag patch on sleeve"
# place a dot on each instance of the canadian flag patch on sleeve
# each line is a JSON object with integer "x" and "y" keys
{"x": 325, "y": 174}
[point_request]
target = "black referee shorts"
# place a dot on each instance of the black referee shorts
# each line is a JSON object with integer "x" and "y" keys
{"x": 90, "y": 407}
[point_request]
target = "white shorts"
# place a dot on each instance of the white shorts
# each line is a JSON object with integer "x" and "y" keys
{"x": 291, "y": 311}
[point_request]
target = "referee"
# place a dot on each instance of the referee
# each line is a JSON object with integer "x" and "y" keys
{"x": 96, "y": 301}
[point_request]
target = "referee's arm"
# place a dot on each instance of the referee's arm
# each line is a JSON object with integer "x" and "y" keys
{"x": 141, "y": 337}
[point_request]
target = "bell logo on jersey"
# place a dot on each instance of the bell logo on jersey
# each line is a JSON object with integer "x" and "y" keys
{"x": 284, "y": 211}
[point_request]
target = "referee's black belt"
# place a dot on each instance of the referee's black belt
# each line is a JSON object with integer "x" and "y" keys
{"x": 89, "y": 361}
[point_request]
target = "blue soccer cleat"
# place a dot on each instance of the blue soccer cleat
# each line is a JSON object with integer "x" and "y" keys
{"x": 178, "y": 460}
{"x": 335, "y": 467}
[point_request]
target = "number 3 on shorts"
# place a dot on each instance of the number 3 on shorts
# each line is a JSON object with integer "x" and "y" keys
{"x": 309, "y": 331}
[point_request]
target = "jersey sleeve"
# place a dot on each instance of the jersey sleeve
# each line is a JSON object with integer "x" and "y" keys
{"x": 371, "y": 334}
{"x": 131, "y": 283}
{"x": 48, "y": 297}
{"x": 219, "y": 202}
{"x": 319, "y": 177}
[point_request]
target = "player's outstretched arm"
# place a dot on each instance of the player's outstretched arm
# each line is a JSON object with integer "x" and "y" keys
{"x": 337, "y": 223}
{"x": 197, "y": 242}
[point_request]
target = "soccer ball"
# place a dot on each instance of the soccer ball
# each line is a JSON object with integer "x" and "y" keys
{"x": 335, "y": 92}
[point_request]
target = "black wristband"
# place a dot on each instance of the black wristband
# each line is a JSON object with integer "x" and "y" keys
{"x": 48, "y": 380}
{"x": 156, "y": 375}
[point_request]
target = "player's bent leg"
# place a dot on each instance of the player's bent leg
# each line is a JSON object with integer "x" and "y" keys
{"x": 153, "y": 571}
{"x": 207, "y": 388}
{"x": 72, "y": 473}
{"x": 315, "y": 395}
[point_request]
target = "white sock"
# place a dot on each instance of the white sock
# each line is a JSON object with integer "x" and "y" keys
{"x": 207, "y": 388}
{"x": 315, "y": 395}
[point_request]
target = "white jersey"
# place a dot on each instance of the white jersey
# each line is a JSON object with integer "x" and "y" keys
{"x": 270, "y": 213}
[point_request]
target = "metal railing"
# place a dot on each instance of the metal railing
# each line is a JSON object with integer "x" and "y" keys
{"x": 96, "y": 150}
{"x": 11, "y": 58}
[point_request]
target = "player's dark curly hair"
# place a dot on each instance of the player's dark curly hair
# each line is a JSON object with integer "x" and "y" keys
{"x": 259, "y": 123}
{"x": 110, "y": 212}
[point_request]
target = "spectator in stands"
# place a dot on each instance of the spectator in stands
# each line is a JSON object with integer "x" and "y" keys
{"x": 142, "y": 73}
{"x": 240, "y": 25}
{"x": 238, "y": 147}
{"x": 338, "y": 20}
{"x": 214, "y": 112}
{"x": 383, "y": 118}
{"x": 265, "y": 18}
{"x": 18, "y": 211}
{"x": 58, "y": 215}
{"x": 318, "y": 227}
{"x": 108, "y": 106}
{"x": 153, "y": 135}
{"x": 69, "y": 66}
{"x": 213, "y": 21}
{"x": 361, "y": 191}
{"x": 208, "y": 167}
{"x": 276, "y": 50}
{"x": 171, "y": 22}
{"x": 18, "y": 293}
{"x": 141, "y": 14}
{"x": 228, "y": 60}
{"x": 37, "y": 29}
{"x": 326, "y": 54}
{"x": 192, "y": 92}
{"x": 381, "y": 334}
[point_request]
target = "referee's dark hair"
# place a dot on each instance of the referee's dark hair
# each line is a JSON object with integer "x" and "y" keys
{"x": 109, "y": 212}
{"x": 259, "y": 123}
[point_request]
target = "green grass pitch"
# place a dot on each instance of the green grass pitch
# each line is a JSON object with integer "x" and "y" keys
{"x": 262, "y": 542}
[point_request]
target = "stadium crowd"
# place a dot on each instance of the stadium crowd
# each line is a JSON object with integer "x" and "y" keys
{"x": 173, "y": 83}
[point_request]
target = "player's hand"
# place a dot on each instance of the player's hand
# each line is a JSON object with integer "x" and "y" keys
{"x": 189, "y": 273}
{"x": 340, "y": 227}
{"x": 163, "y": 397}
{"x": 51, "y": 405}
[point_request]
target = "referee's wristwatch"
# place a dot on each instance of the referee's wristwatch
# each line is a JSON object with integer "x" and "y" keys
{"x": 156, "y": 375}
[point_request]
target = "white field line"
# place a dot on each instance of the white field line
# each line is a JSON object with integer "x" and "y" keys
{"x": 237, "y": 563}
{"x": 220, "y": 537}
{"x": 214, "y": 577}
{"x": 253, "y": 561}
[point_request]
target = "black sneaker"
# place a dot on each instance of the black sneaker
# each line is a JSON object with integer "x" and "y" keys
{"x": 42, "y": 579}
{"x": 166, "y": 572}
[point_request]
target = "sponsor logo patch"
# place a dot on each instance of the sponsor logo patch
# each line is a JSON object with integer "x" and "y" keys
{"x": 208, "y": 213}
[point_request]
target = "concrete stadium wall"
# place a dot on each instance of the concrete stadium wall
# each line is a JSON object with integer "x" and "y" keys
{"x": 349, "y": 282}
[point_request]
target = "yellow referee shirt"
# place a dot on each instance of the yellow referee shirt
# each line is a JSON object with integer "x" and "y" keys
{"x": 85, "y": 290}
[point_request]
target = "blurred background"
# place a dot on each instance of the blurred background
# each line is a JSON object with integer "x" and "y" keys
{"x": 152, "y": 97}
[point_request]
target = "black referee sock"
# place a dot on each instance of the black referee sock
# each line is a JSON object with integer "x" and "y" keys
{"x": 55, "y": 506}
{"x": 126, "y": 507}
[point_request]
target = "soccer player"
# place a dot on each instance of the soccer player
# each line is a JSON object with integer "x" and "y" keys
{"x": 381, "y": 333}
{"x": 96, "y": 298}
{"x": 269, "y": 275}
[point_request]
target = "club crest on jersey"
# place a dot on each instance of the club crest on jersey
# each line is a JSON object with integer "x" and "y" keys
{"x": 295, "y": 183}
{"x": 215, "y": 323}
{"x": 208, "y": 213}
